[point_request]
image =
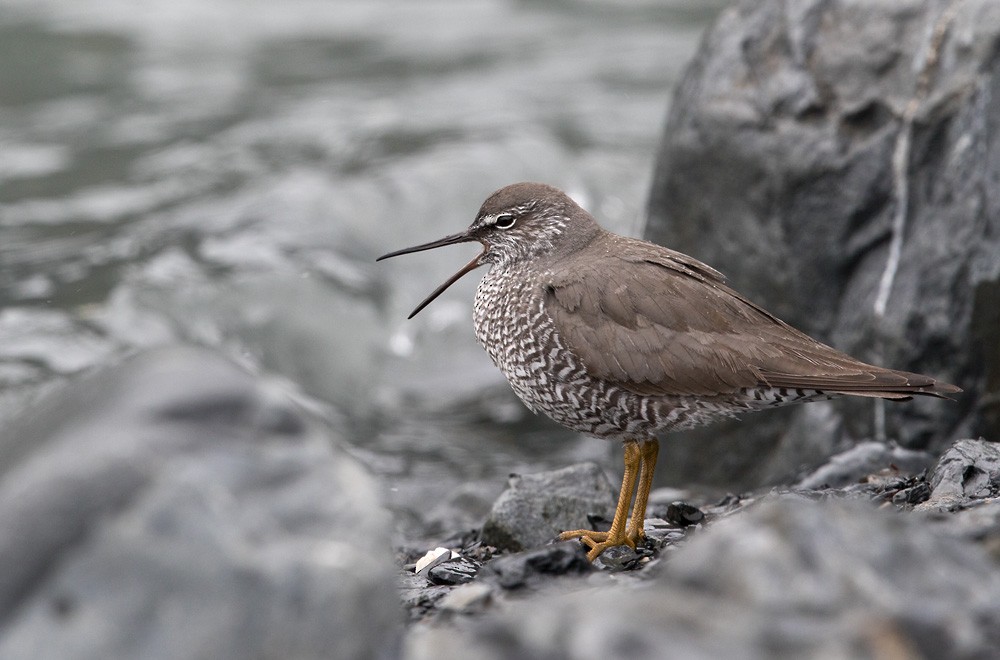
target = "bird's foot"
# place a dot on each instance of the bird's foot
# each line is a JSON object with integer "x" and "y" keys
{"x": 598, "y": 542}
{"x": 637, "y": 536}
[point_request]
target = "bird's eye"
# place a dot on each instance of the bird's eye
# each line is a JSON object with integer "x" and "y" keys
{"x": 505, "y": 221}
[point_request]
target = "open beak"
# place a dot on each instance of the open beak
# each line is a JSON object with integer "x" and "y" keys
{"x": 462, "y": 237}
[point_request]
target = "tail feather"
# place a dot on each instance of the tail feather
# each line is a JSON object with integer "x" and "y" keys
{"x": 891, "y": 396}
{"x": 872, "y": 382}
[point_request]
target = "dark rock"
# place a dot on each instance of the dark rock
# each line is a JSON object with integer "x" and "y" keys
{"x": 454, "y": 571}
{"x": 683, "y": 514}
{"x": 535, "y": 508}
{"x": 864, "y": 459}
{"x": 623, "y": 558}
{"x": 788, "y": 578}
{"x": 533, "y": 566}
{"x": 969, "y": 471}
{"x": 776, "y": 167}
{"x": 915, "y": 494}
{"x": 663, "y": 532}
{"x": 172, "y": 507}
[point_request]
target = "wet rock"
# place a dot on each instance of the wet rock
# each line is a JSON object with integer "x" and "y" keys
{"x": 535, "y": 567}
{"x": 776, "y": 167}
{"x": 459, "y": 570}
{"x": 535, "y": 508}
{"x": 623, "y": 558}
{"x": 683, "y": 514}
{"x": 662, "y": 531}
{"x": 174, "y": 507}
{"x": 787, "y": 578}
{"x": 969, "y": 471}
{"x": 864, "y": 459}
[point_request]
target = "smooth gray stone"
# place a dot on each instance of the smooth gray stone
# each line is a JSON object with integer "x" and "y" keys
{"x": 535, "y": 508}
{"x": 175, "y": 507}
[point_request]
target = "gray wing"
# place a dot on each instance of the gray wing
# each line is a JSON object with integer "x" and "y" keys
{"x": 661, "y": 323}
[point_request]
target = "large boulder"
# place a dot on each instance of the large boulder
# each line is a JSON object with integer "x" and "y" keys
{"x": 808, "y": 141}
{"x": 175, "y": 507}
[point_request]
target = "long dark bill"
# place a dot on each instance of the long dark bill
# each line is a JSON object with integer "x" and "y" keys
{"x": 447, "y": 240}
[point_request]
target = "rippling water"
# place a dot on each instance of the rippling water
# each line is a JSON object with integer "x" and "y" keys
{"x": 224, "y": 172}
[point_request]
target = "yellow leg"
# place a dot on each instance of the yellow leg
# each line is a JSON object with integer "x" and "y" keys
{"x": 648, "y": 452}
{"x": 598, "y": 542}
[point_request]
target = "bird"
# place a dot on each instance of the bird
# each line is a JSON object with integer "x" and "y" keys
{"x": 626, "y": 340}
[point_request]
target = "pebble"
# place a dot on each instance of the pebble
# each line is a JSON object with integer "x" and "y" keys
{"x": 683, "y": 514}
{"x": 518, "y": 570}
{"x": 454, "y": 571}
{"x": 432, "y": 559}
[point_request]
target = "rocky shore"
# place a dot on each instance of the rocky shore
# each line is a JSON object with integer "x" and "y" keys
{"x": 190, "y": 510}
{"x": 839, "y": 161}
{"x": 891, "y": 563}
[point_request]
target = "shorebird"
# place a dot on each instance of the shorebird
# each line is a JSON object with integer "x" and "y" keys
{"x": 625, "y": 340}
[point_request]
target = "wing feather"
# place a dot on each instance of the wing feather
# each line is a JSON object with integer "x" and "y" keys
{"x": 658, "y": 324}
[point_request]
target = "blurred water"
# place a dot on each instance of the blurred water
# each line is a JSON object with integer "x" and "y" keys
{"x": 224, "y": 172}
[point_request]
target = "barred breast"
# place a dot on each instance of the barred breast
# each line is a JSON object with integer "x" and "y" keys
{"x": 521, "y": 339}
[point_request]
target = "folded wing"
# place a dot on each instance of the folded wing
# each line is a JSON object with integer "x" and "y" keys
{"x": 664, "y": 324}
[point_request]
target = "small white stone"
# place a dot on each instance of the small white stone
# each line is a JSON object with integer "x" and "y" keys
{"x": 432, "y": 559}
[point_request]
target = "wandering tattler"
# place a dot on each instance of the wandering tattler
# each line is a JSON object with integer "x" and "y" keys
{"x": 623, "y": 339}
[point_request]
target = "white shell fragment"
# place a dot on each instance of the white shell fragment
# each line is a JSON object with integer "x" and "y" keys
{"x": 432, "y": 559}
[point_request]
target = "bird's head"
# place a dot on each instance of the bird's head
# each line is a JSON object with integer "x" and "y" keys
{"x": 519, "y": 222}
